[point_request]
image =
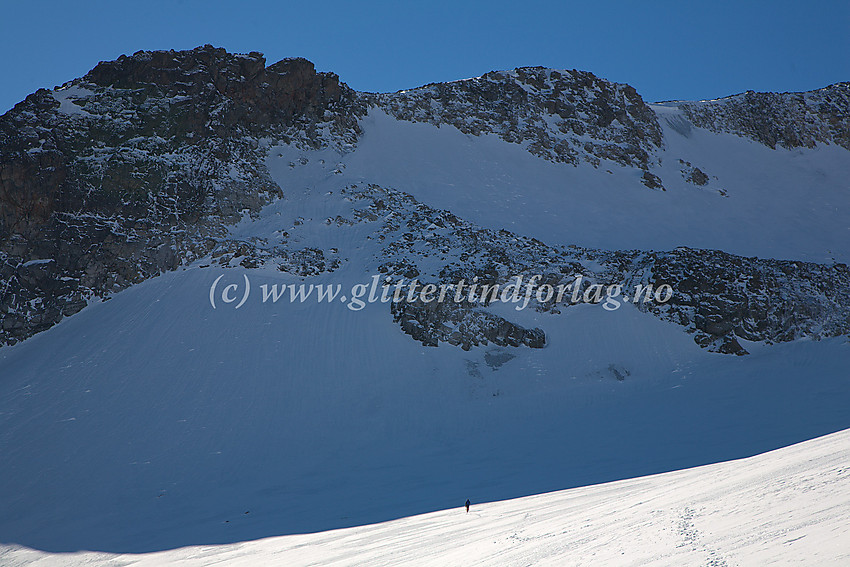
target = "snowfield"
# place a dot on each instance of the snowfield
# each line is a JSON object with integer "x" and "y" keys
{"x": 758, "y": 201}
{"x": 786, "y": 507}
{"x": 152, "y": 421}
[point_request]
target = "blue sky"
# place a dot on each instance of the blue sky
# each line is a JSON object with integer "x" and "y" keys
{"x": 667, "y": 50}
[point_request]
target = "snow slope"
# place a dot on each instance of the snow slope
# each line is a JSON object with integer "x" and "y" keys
{"x": 152, "y": 421}
{"x": 786, "y": 507}
{"x": 785, "y": 204}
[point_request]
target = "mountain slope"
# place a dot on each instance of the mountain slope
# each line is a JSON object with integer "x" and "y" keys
{"x": 141, "y": 165}
{"x": 153, "y": 421}
{"x": 171, "y": 414}
{"x": 787, "y": 507}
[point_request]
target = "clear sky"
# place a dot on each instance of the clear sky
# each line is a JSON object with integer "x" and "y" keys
{"x": 667, "y": 50}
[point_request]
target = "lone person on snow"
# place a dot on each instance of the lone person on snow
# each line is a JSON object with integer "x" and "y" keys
{"x": 467, "y": 505}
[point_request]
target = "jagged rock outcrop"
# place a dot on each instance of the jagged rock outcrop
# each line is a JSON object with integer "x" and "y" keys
{"x": 563, "y": 116}
{"x": 789, "y": 120}
{"x": 461, "y": 324}
{"x": 722, "y": 297}
{"x": 138, "y": 167}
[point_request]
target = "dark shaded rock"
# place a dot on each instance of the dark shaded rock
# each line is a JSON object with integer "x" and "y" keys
{"x": 721, "y": 296}
{"x": 461, "y": 325}
{"x": 496, "y": 358}
{"x": 697, "y": 177}
{"x": 553, "y": 112}
{"x": 789, "y": 120}
{"x": 652, "y": 181}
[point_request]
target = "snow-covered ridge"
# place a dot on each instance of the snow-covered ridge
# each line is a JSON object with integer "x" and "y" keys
{"x": 572, "y": 116}
{"x": 787, "y": 120}
{"x": 564, "y": 116}
{"x": 137, "y": 167}
{"x": 140, "y": 167}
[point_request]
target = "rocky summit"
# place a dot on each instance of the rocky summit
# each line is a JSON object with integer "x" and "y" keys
{"x": 136, "y": 168}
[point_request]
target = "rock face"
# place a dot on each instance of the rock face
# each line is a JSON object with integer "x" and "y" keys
{"x": 722, "y": 298}
{"x": 240, "y": 91}
{"x": 140, "y": 167}
{"x": 461, "y": 325}
{"x": 563, "y": 116}
{"x": 789, "y": 120}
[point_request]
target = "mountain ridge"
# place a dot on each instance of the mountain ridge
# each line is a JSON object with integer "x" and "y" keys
{"x": 142, "y": 165}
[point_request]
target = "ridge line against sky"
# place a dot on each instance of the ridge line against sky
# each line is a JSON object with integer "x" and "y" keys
{"x": 666, "y": 50}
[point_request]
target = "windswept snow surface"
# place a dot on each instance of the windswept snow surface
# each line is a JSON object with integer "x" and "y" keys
{"x": 786, "y": 507}
{"x": 152, "y": 421}
{"x": 786, "y": 204}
